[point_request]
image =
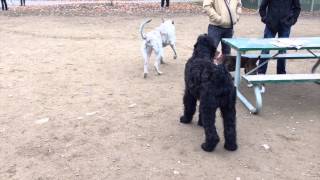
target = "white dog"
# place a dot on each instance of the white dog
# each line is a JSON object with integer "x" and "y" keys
{"x": 156, "y": 40}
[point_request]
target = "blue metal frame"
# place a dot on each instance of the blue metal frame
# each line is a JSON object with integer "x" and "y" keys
{"x": 257, "y": 89}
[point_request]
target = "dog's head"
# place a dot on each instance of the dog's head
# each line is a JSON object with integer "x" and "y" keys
{"x": 169, "y": 21}
{"x": 204, "y": 46}
{"x": 168, "y": 31}
{"x": 247, "y": 63}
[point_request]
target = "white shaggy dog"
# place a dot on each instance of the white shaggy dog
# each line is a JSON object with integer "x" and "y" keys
{"x": 156, "y": 40}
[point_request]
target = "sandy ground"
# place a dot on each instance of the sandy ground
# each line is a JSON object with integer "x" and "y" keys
{"x": 106, "y": 122}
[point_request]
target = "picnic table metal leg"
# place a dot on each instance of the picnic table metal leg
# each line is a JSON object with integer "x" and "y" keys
{"x": 246, "y": 102}
{"x": 243, "y": 99}
{"x": 237, "y": 72}
{"x": 257, "y": 93}
{"x": 315, "y": 66}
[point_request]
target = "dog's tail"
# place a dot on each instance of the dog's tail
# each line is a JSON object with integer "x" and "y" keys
{"x": 141, "y": 28}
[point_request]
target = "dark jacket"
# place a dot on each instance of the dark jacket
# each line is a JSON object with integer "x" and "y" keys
{"x": 278, "y": 13}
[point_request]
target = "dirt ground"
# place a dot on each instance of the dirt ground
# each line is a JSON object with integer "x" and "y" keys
{"x": 74, "y": 105}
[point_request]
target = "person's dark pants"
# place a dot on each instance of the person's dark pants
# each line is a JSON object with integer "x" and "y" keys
{"x": 4, "y": 5}
{"x": 22, "y": 2}
{"x": 167, "y": 3}
{"x": 217, "y": 33}
{"x": 283, "y": 32}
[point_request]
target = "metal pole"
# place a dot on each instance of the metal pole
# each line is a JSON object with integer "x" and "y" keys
{"x": 237, "y": 76}
{"x": 259, "y": 2}
{"x": 312, "y": 4}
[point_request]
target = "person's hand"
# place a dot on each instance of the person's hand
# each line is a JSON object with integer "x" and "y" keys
{"x": 215, "y": 18}
{"x": 219, "y": 19}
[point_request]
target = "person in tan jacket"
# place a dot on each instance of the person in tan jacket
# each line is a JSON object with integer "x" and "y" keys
{"x": 223, "y": 15}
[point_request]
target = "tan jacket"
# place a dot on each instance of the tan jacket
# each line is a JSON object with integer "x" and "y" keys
{"x": 218, "y": 12}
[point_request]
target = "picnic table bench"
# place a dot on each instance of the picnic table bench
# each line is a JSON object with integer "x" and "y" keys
{"x": 243, "y": 45}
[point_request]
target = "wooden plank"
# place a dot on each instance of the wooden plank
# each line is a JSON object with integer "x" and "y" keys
{"x": 287, "y": 56}
{"x": 282, "y": 78}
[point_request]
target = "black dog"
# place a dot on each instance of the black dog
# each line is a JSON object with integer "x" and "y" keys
{"x": 213, "y": 86}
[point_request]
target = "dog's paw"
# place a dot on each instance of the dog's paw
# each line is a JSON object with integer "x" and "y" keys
{"x": 175, "y": 57}
{"x": 200, "y": 123}
{"x": 208, "y": 148}
{"x": 157, "y": 70}
{"x": 145, "y": 75}
{"x": 210, "y": 145}
{"x": 162, "y": 61}
{"x": 184, "y": 120}
{"x": 231, "y": 146}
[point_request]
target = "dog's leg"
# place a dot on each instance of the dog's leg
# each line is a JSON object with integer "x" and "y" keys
{"x": 208, "y": 115}
{"x": 173, "y": 47}
{"x": 229, "y": 124}
{"x": 162, "y": 61}
{"x": 228, "y": 112}
{"x": 190, "y": 103}
{"x": 315, "y": 66}
{"x": 146, "y": 52}
{"x": 159, "y": 56}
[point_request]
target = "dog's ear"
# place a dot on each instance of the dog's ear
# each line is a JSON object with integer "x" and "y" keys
{"x": 195, "y": 45}
{"x": 172, "y": 22}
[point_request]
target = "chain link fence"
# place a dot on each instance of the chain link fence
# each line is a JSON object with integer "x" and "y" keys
{"x": 306, "y": 5}
{"x": 54, "y": 2}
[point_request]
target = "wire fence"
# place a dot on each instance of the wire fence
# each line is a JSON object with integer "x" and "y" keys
{"x": 306, "y": 5}
{"x": 53, "y": 2}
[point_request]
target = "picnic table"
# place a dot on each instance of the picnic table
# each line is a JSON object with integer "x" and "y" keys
{"x": 243, "y": 45}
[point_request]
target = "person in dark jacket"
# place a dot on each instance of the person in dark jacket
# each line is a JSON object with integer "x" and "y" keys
{"x": 4, "y": 5}
{"x": 279, "y": 16}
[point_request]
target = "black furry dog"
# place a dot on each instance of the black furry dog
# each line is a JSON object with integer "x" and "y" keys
{"x": 213, "y": 86}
